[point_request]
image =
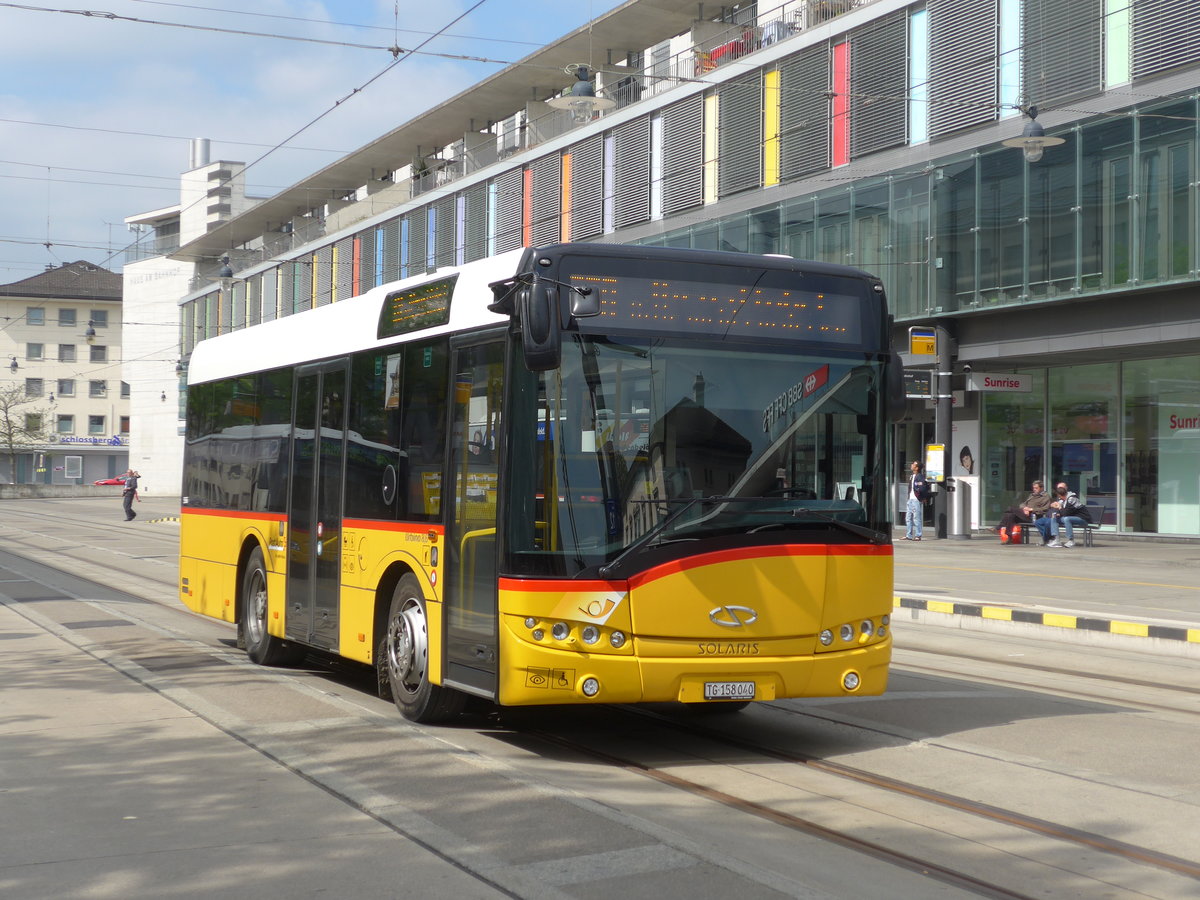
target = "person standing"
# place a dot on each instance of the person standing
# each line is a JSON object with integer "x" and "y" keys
{"x": 130, "y": 494}
{"x": 918, "y": 493}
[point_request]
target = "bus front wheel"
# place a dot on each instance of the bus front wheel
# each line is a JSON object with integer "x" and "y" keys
{"x": 404, "y": 658}
{"x": 262, "y": 647}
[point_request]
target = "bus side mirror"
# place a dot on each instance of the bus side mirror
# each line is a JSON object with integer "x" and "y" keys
{"x": 541, "y": 339}
{"x": 585, "y": 303}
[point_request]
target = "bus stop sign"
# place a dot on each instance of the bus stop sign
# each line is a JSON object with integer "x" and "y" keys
{"x": 922, "y": 340}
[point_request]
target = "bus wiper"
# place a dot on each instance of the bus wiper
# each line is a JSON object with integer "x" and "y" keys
{"x": 607, "y": 569}
{"x": 875, "y": 537}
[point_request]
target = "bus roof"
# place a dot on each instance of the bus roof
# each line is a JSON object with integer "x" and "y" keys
{"x": 349, "y": 325}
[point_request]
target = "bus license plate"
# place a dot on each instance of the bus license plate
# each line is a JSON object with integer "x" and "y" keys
{"x": 729, "y": 690}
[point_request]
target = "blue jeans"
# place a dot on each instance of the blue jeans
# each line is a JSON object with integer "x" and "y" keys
{"x": 914, "y": 519}
{"x": 1068, "y": 522}
{"x": 1045, "y": 525}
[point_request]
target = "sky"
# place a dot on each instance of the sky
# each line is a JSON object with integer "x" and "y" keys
{"x": 97, "y": 110}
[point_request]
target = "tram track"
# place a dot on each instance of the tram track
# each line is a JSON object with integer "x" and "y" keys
{"x": 924, "y": 867}
{"x": 762, "y": 807}
{"x": 1093, "y": 841}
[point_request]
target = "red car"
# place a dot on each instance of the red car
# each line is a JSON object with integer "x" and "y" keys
{"x": 120, "y": 479}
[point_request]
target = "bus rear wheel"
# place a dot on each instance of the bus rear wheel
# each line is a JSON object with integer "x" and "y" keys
{"x": 262, "y": 647}
{"x": 404, "y": 658}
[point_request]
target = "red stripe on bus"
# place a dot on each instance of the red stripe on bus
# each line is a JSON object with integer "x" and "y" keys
{"x": 531, "y": 585}
{"x": 744, "y": 553}
{"x": 232, "y": 514}
{"x": 682, "y": 565}
{"x": 405, "y": 527}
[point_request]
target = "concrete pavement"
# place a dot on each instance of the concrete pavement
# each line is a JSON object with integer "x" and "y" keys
{"x": 1134, "y": 593}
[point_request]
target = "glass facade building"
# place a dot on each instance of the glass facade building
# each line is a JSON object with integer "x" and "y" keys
{"x": 865, "y": 132}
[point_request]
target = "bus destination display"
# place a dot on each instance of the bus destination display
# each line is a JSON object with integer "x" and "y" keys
{"x": 725, "y": 309}
{"x": 415, "y": 308}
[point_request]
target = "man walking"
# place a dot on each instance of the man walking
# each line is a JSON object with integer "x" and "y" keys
{"x": 129, "y": 494}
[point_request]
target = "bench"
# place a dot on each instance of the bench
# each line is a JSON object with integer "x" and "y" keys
{"x": 1097, "y": 514}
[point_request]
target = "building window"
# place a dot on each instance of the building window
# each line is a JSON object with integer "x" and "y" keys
{"x": 33, "y": 423}
{"x": 97, "y": 388}
{"x": 66, "y": 318}
{"x": 66, "y": 387}
{"x": 66, "y": 353}
{"x": 35, "y": 315}
{"x": 125, "y": 425}
{"x": 99, "y": 353}
{"x": 65, "y": 425}
{"x": 33, "y": 387}
{"x": 124, "y": 390}
{"x": 95, "y": 424}
{"x": 34, "y": 351}
{"x": 99, "y": 318}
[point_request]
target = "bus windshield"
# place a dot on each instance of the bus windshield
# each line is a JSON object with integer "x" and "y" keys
{"x": 643, "y": 442}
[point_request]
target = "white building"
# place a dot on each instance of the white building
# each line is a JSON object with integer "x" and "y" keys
{"x": 210, "y": 193}
{"x": 61, "y": 344}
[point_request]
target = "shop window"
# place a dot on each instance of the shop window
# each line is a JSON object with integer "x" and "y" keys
{"x": 1160, "y": 445}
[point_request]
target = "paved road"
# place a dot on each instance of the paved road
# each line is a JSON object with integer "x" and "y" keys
{"x": 136, "y": 753}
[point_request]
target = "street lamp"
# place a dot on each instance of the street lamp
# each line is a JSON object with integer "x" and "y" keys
{"x": 1033, "y": 139}
{"x": 581, "y": 100}
{"x": 13, "y": 366}
{"x": 90, "y": 334}
{"x": 226, "y": 274}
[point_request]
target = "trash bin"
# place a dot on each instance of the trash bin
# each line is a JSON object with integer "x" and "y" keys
{"x": 958, "y": 497}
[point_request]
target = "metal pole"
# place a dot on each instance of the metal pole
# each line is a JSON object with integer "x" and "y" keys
{"x": 942, "y": 411}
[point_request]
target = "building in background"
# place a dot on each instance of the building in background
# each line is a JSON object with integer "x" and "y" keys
{"x": 61, "y": 349}
{"x": 210, "y": 193}
{"x": 852, "y": 131}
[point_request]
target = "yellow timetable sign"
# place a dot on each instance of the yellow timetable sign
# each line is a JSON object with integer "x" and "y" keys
{"x": 922, "y": 341}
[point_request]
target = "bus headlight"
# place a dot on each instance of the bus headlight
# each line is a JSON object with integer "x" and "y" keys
{"x": 881, "y": 630}
{"x": 560, "y": 631}
{"x": 867, "y": 627}
{"x": 530, "y": 622}
{"x": 590, "y": 687}
{"x": 538, "y": 634}
{"x": 850, "y": 681}
{"x": 617, "y": 639}
{"x": 825, "y": 637}
{"x": 590, "y": 634}
{"x": 846, "y": 632}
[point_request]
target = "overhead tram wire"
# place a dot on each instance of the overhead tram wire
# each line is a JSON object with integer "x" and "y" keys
{"x": 394, "y": 29}
{"x": 401, "y": 57}
{"x": 394, "y": 50}
{"x": 170, "y": 137}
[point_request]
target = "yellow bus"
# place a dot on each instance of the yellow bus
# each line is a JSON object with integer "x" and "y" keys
{"x": 576, "y": 474}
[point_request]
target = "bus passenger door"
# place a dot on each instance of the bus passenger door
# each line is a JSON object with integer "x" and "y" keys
{"x": 315, "y": 505}
{"x": 471, "y": 590}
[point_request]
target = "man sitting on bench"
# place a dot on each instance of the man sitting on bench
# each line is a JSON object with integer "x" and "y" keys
{"x": 1033, "y": 506}
{"x": 1066, "y": 512}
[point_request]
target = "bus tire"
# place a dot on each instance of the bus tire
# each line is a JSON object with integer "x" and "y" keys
{"x": 262, "y": 647}
{"x": 404, "y": 658}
